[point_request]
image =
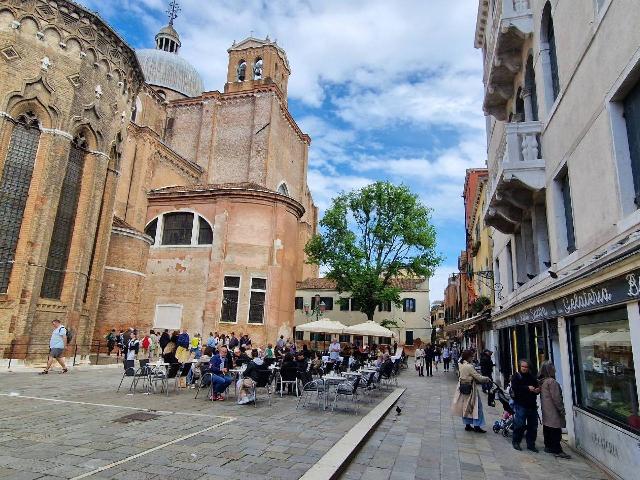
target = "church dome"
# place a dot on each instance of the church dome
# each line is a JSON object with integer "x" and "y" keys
{"x": 166, "y": 69}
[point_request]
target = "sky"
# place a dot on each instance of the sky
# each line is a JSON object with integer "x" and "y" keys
{"x": 387, "y": 90}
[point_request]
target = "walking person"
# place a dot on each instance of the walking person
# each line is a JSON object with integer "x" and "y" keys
{"x": 429, "y": 354}
{"x": 420, "y": 361}
{"x": 111, "y": 339}
{"x": 525, "y": 390}
{"x": 133, "y": 347}
{"x": 553, "y": 413}
{"x": 486, "y": 368}
{"x": 56, "y": 347}
{"x": 446, "y": 357}
{"x": 466, "y": 400}
{"x": 436, "y": 356}
{"x": 164, "y": 339}
{"x": 153, "y": 350}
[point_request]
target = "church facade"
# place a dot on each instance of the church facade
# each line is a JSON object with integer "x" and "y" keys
{"x": 131, "y": 197}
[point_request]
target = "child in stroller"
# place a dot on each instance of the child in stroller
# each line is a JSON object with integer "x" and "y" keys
{"x": 505, "y": 424}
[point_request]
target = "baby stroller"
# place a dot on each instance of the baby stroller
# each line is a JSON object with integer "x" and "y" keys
{"x": 505, "y": 424}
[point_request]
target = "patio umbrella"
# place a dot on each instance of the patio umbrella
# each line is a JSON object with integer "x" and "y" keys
{"x": 324, "y": 325}
{"x": 370, "y": 328}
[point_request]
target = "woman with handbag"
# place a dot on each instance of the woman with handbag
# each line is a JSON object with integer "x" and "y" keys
{"x": 466, "y": 400}
{"x": 420, "y": 361}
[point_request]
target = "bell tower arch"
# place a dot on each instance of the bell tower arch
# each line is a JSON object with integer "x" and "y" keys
{"x": 254, "y": 62}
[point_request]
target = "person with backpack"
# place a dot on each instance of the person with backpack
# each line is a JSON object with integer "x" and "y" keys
{"x": 183, "y": 342}
{"x": 59, "y": 337}
{"x": 153, "y": 349}
{"x": 524, "y": 390}
{"x": 111, "y": 339}
{"x": 145, "y": 347}
{"x": 466, "y": 400}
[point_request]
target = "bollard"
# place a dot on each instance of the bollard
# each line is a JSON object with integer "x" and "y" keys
{"x": 11, "y": 354}
{"x": 98, "y": 354}
{"x": 75, "y": 352}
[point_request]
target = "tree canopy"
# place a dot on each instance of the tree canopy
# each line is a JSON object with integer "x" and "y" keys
{"x": 371, "y": 236}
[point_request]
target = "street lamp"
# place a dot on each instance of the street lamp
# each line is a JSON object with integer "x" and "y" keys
{"x": 317, "y": 310}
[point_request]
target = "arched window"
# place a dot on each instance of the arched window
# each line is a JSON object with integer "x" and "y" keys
{"x": 257, "y": 69}
{"x": 65, "y": 221}
{"x": 174, "y": 229}
{"x": 14, "y": 188}
{"x": 282, "y": 188}
{"x": 530, "y": 91}
{"x": 549, "y": 55}
{"x": 242, "y": 71}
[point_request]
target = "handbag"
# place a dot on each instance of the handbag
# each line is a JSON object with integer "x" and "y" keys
{"x": 465, "y": 388}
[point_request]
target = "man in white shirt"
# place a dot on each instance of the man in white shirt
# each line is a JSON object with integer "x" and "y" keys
{"x": 334, "y": 350}
{"x": 56, "y": 347}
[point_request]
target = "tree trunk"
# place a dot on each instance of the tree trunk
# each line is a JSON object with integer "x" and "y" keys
{"x": 370, "y": 313}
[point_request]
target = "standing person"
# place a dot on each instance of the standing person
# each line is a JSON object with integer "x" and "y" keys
{"x": 153, "y": 351}
{"x": 56, "y": 347}
{"x": 120, "y": 343}
{"x": 126, "y": 336}
{"x": 183, "y": 342}
{"x": 446, "y": 357}
{"x": 429, "y": 354}
{"x": 466, "y": 400}
{"x": 268, "y": 353}
{"x": 280, "y": 342}
{"x": 436, "y": 355}
{"x": 486, "y": 368}
{"x": 133, "y": 347}
{"x": 164, "y": 339}
{"x": 233, "y": 341}
{"x": 455, "y": 356}
{"x": 553, "y": 413}
{"x": 525, "y": 390}
{"x": 111, "y": 339}
{"x": 212, "y": 340}
{"x": 334, "y": 351}
{"x": 420, "y": 361}
{"x": 395, "y": 347}
{"x": 145, "y": 346}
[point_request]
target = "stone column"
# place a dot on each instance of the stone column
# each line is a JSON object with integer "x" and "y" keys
{"x": 525, "y": 94}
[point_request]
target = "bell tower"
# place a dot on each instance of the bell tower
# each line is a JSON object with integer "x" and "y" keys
{"x": 254, "y": 62}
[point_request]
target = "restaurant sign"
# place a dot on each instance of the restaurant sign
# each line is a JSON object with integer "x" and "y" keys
{"x": 612, "y": 292}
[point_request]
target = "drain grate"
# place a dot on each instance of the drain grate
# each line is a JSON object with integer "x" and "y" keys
{"x": 137, "y": 417}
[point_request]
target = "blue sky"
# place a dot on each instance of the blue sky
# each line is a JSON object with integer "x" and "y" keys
{"x": 386, "y": 90}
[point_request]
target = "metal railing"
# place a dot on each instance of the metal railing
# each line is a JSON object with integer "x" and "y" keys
{"x": 97, "y": 353}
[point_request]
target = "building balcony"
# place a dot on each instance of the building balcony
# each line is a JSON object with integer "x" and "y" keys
{"x": 517, "y": 175}
{"x": 512, "y": 24}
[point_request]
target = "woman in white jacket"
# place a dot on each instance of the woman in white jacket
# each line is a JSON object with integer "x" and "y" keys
{"x": 420, "y": 361}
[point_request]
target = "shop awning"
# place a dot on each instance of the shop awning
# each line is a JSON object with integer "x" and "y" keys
{"x": 323, "y": 325}
{"x": 465, "y": 323}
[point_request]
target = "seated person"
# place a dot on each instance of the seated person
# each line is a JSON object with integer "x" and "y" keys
{"x": 303, "y": 368}
{"x": 249, "y": 377}
{"x": 240, "y": 357}
{"x": 219, "y": 367}
{"x": 288, "y": 363}
{"x": 316, "y": 365}
{"x": 169, "y": 353}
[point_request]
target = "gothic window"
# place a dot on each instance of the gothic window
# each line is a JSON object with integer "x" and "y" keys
{"x": 530, "y": 85}
{"x": 14, "y": 189}
{"x": 631, "y": 106}
{"x": 65, "y": 219}
{"x": 565, "y": 189}
{"x": 177, "y": 228}
{"x": 548, "y": 37}
{"x": 257, "y": 69}
{"x": 242, "y": 71}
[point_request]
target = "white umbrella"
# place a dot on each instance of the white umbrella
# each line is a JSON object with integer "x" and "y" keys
{"x": 371, "y": 328}
{"x": 323, "y": 325}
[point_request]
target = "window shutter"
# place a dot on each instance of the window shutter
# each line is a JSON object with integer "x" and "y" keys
{"x": 632, "y": 119}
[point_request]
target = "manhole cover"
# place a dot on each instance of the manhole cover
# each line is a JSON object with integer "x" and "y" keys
{"x": 137, "y": 417}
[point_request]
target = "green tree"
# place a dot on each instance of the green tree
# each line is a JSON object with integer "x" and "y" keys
{"x": 371, "y": 236}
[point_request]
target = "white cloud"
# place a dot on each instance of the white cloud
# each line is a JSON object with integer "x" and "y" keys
{"x": 439, "y": 281}
{"x": 325, "y": 187}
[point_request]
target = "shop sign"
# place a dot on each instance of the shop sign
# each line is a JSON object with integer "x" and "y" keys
{"x": 616, "y": 291}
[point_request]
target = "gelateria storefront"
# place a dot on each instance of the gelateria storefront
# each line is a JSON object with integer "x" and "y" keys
{"x": 593, "y": 338}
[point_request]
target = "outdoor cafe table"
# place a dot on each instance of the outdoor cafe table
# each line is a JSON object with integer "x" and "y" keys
{"x": 331, "y": 380}
{"x": 236, "y": 372}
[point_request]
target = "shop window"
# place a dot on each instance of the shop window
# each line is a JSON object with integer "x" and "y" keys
{"x": 409, "y": 305}
{"x": 230, "y": 295}
{"x": 14, "y": 189}
{"x": 604, "y": 369}
{"x": 344, "y": 338}
{"x": 299, "y": 304}
{"x": 408, "y": 337}
{"x": 257, "y": 300}
{"x": 65, "y": 221}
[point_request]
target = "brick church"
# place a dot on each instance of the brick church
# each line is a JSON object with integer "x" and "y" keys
{"x": 129, "y": 196}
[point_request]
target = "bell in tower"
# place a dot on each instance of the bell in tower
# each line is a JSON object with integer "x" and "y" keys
{"x": 254, "y": 62}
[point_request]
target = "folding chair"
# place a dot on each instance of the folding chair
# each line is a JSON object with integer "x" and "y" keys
{"x": 265, "y": 380}
{"x": 129, "y": 371}
{"x": 183, "y": 371}
{"x": 316, "y": 386}
{"x": 347, "y": 389}
{"x": 289, "y": 376}
{"x": 143, "y": 373}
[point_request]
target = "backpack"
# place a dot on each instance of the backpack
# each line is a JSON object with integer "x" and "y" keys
{"x": 510, "y": 391}
{"x": 69, "y": 334}
{"x": 146, "y": 342}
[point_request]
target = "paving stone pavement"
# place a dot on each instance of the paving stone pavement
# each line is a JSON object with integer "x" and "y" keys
{"x": 55, "y": 439}
{"x": 426, "y": 442}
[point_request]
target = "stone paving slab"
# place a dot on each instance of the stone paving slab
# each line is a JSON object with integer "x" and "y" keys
{"x": 426, "y": 442}
{"x": 63, "y": 427}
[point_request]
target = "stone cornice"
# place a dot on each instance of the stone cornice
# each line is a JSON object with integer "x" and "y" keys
{"x": 166, "y": 154}
{"x": 481, "y": 22}
{"x": 268, "y": 88}
{"x": 214, "y": 191}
